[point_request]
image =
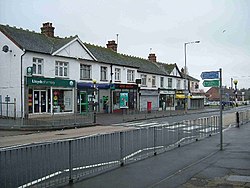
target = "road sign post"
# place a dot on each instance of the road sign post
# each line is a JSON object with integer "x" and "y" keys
{"x": 214, "y": 79}
{"x": 221, "y": 126}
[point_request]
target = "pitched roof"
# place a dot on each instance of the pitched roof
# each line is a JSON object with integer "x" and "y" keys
{"x": 107, "y": 55}
{"x": 32, "y": 41}
{"x": 168, "y": 68}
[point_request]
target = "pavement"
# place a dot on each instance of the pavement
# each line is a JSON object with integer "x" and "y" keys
{"x": 200, "y": 164}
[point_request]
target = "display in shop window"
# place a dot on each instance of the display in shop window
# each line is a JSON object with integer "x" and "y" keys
{"x": 123, "y": 100}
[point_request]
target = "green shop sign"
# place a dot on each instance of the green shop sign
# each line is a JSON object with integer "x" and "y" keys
{"x": 55, "y": 82}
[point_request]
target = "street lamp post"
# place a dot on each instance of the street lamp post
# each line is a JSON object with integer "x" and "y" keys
{"x": 94, "y": 101}
{"x": 185, "y": 71}
{"x": 237, "y": 113}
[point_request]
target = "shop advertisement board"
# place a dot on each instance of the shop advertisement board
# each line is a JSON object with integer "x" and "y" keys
{"x": 123, "y": 100}
{"x": 56, "y": 82}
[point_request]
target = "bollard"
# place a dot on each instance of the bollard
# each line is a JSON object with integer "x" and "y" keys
{"x": 237, "y": 119}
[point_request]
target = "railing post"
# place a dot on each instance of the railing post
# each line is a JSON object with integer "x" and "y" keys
{"x": 178, "y": 135}
{"x": 121, "y": 148}
{"x": 70, "y": 162}
{"x": 155, "y": 137}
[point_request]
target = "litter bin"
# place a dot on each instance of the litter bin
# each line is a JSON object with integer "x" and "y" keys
{"x": 149, "y": 106}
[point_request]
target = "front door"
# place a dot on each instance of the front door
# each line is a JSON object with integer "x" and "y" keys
{"x": 83, "y": 102}
{"x": 40, "y": 101}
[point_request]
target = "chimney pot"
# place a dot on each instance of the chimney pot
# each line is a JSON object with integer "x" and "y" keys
{"x": 48, "y": 29}
{"x": 152, "y": 57}
{"x": 112, "y": 45}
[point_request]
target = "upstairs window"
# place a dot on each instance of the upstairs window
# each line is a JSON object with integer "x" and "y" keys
{"x": 85, "y": 71}
{"x": 178, "y": 84}
{"x": 162, "y": 82}
{"x": 61, "y": 69}
{"x": 153, "y": 81}
{"x": 117, "y": 74}
{"x": 143, "y": 79}
{"x": 130, "y": 75}
{"x": 170, "y": 82}
{"x": 37, "y": 66}
{"x": 104, "y": 71}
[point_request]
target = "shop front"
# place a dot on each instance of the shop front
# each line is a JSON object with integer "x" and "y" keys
{"x": 166, "y": 100}
{"x": 90, "y": 95}
{"x": 197, "y": 102}
{"x": 124, "y": 97}
{"x": 149, "y": 99}
{"x": 180, "y": 100}
{"x": 49, "y": 95}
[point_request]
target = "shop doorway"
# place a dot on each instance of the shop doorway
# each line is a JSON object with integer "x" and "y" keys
{"x": 40, "y": 101}
{"x": 83, "y": 102}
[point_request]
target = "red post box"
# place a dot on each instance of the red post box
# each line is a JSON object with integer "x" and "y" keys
{"x": 149, "y": 106}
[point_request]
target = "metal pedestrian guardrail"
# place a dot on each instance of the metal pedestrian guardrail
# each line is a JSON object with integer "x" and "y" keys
{"x": 60, "y": 162}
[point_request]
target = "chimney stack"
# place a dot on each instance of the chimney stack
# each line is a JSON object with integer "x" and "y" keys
{"x": 47, "y": 29}
{"x": 152, "y": 57}
{"x": 112, "y": 45}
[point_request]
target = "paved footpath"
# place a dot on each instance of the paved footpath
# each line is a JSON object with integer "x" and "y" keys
{"x": 38, "y": 137}
{"x": 200, "y": 164}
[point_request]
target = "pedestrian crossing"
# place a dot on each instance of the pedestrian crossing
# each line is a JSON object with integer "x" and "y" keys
{"x": 185, "y": 128}
{"x": 141, "y": 124}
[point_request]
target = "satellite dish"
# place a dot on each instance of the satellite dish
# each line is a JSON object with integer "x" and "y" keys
{"x": 5, "y": 48}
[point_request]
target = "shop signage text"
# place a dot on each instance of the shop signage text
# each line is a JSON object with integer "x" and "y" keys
{"x": 31, "y": 81}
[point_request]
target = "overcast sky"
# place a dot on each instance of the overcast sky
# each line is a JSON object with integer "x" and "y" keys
{"x": 221, "y": 26}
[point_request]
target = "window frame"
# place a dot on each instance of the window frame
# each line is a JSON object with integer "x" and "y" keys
{"x": 38, "y": 64}
{"x": 85, "y": 72}
{"x": 153, "y": 81}
{"x": 60, "y": 68}
{"x": 162, "y": 82}
{"x": 104, "y": 73}
{"x": 178, "y": 84}
{"x": 143, "y": 79}
{"x": 117, "y": 74}
{"x": 170, "y": 83}
{"x": 130, "y": 76}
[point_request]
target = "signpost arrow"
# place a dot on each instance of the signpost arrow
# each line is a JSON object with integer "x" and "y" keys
{"x": 210, "y": 75}
{"x": 211, "y": 83}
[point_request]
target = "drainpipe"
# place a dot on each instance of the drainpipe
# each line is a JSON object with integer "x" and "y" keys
{"x": 22, "y": 105}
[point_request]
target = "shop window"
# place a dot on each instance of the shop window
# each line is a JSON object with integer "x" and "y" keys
{"x": 62, "y": 100}
{"x": 116, "y": 100}
{"x": 30, "y": 101}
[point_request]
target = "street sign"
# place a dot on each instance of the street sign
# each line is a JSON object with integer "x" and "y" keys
{"x": 211, "y": 83}
{"x": 210, "y": 75}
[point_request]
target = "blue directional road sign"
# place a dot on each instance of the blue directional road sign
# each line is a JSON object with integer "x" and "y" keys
{"x": 210, "y": 75}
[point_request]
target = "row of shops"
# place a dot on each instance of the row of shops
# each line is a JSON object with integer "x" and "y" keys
{"x": 54, "y": 95}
